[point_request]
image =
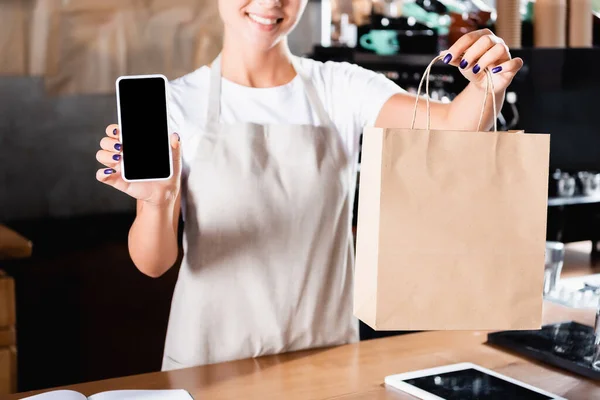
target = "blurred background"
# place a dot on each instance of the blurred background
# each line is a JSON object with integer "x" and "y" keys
{"x": 73, "y": 308}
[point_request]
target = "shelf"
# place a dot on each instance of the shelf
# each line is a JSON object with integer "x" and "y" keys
{"x": 574, "y": 200}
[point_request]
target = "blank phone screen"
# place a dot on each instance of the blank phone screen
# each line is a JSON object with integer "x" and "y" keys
{"x": 144, "y": 128}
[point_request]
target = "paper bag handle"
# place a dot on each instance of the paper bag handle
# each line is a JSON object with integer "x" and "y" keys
{"x": 489, "y": 85}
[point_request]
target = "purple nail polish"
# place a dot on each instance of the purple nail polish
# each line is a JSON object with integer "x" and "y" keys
{"x": 115, "y": 131}
{"x": 463, "y": 64}
{"x": 497, "y": 69}
{"x": 118, "y": 146}
{"x": 476, "y": 68}
{"x": 448, "y": 58}
{"x": 116, "y": 157}
{"x": 178, "y": 137}
{"x": 109, "y": 171}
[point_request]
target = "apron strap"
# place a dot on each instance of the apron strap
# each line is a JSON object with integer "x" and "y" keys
{"x": 313, "y": 96}
{"x": 214, "y": 95}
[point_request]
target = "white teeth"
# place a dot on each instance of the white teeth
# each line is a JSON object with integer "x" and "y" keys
{"x": 261, "y": 20}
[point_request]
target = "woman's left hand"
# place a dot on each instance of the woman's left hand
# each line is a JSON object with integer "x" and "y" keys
{"x": 481, "y": 49}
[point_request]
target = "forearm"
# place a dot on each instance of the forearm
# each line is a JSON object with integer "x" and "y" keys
{"x": 464, "y": 111}
{"x": 153, "y": 238}
{"x": 481, "y": 50}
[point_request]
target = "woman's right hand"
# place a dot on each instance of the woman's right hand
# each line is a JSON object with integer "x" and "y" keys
{"x": 157, "y": 193}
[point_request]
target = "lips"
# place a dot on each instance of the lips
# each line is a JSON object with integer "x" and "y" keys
{"x": 263, "y": 20}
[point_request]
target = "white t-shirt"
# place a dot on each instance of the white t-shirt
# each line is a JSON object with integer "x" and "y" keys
{"x": 352, "y": 96}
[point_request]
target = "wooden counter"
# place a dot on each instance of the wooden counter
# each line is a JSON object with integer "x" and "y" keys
{"x": 355, "y": 371}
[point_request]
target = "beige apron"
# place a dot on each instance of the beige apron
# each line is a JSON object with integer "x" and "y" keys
{"x": 269, "y": 258}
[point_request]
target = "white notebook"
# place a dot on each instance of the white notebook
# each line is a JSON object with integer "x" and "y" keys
{"x": 178, "y": 394}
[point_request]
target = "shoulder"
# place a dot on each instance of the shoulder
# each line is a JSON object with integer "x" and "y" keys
{"x": 336, "y": 72}
{"x": 190, "y": 84}
{"x": 187, "y": 98}
{"x": 350, "y": 92}
{"x": 337, "y": 80}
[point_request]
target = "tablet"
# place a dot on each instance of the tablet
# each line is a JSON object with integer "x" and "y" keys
{"x": 465, "y": 381}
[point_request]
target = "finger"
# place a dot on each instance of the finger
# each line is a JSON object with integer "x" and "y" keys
{"x": 112, "y": 177}
{"x": 176, "y": 151}
{"x": 110, "y": 144}
{"x": 112, "y": 130}
{"x": 106, "y": 175}
{"x": 510, "y": 66}
{"x": 493, "y": 57}
{"x": 458, "y": 49}
{"x": 108, "y": 158}
{"x": 477, "y": 50}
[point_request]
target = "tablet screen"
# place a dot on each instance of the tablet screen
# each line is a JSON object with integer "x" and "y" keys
{"x": 471, "y": 384}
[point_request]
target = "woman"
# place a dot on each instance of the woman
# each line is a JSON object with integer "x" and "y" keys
{"x": 265, "y": 155}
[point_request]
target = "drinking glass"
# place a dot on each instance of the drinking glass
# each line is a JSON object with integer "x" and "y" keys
{"x": 555, "y": 255}
{"x": 596, "y": 357}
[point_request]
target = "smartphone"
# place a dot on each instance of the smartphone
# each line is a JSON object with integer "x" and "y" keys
{"x": 143, "y": 118}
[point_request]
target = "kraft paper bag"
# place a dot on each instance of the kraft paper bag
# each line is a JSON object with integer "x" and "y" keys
{"x": 87, "y": 46}
{"x": 13, "y": 21}
{"x": 175, "y": 37}
{"x": 451, "y": 228}
{"x": 40, "y": 13}
{"x": 91, "y": 43}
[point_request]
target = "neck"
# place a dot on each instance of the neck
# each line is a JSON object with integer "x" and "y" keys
{"x": 247, "y": 66}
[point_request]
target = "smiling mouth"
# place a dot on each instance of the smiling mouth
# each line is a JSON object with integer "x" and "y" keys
{"x": 267, "y": 22}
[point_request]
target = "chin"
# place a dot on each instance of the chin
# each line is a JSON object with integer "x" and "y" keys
{"x": 261, "y": 43}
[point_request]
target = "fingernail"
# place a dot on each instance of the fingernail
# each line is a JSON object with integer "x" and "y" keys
{"x": 497, "y": 69}
{"x": 448, "y": 58}
{"x": 463, "y": 64}
{"x": 116, "y": 157}
{"x": 118, "y": 146}
{"x": 115, "y": 131}
{"x": 476, "y": 68}
{"x": 109, "y": 171}
{"x": 178, "y": 138}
